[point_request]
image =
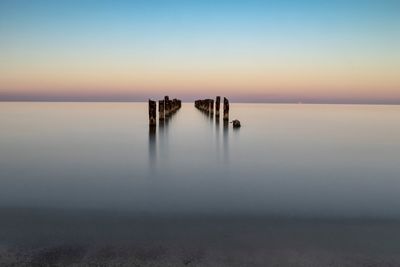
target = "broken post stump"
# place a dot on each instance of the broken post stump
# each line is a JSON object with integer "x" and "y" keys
{"x": 205, "y": 105}
{"x": 152, "y": 112}
{"x": 226, "y": 109}
{"x": 217, "y": 103}
{"x": 167, "y": 106}
{"x": 174, "y": 105}
{"x": 211, "y": 106}
{"x": 161, "y": 110}
{"x": 236, "y": 124}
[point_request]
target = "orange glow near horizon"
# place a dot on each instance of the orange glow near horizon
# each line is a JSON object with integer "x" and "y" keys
{"x": 304, "y": 82}
{"x": 250, "y": 51}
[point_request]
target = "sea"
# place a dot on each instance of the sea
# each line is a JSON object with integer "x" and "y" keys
{"x": 91, "y": 184}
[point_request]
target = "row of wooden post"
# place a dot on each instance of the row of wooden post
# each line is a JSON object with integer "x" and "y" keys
{"x": 207, "y": 105}
{"x": 166, "y": 108}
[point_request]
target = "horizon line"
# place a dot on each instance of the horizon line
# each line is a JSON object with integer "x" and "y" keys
{"x": 378, "y": 103}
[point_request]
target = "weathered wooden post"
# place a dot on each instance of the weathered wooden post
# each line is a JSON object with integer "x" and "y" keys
{"x": 161, "y": 110}
{"x": 217, "y": 102}
{"x": 174, "y": 104}
{"x": 167, "y": 106}
{"x": 226, "y": 109}
{"x": 152, "y": 113}
{"x": 205, "y": 105}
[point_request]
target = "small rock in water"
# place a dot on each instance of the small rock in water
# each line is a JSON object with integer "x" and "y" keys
{"x": 236, "y": 124}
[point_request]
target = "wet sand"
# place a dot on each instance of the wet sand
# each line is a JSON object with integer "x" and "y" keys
{"x": 55, "y": 237}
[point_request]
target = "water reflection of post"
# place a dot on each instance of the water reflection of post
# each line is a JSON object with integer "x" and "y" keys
{"x": 226, "y": 141}
{"x": 162, "y": 132}
{"x": 217, "y": 137}
{"x": 211, "y": 117}
{"x": 152, "y": 146}
{"x": 166, "y": 122}
{"x": 161, "y": 125}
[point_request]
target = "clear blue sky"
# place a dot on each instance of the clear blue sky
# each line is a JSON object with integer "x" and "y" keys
{"x": 319, "y": 51}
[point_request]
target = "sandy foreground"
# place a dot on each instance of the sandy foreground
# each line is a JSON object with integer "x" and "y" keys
{"x": 46, "y": 237}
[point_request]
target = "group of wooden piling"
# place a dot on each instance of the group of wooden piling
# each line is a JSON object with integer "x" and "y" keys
{"x": 207, "y": 105}
{"x": 166, "y": 108}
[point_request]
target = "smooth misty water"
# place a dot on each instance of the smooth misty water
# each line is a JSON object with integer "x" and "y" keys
{"x": 312, "y": 183}
{"x": 286, "y": 159}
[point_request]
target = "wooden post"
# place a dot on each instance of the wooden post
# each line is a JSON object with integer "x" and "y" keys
{"x": 167, "y": 106}
{"x": 152, "y": 112}
{"x": 174, "y": 104}
{"x": 161, "y": 110}
{"x": 205, "y": 105}
{"x": 217, "y": 102}
{"x": 226, "y": 109}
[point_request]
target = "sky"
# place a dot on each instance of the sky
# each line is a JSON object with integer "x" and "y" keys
{"x": 250, "y": 51}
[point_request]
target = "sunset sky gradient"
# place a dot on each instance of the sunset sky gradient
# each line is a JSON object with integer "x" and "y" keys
{"x": 251, "y": 51}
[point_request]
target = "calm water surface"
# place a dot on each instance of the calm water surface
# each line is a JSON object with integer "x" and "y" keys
{"x": 328, "y": 160}
{"x": 87, "y": 184}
